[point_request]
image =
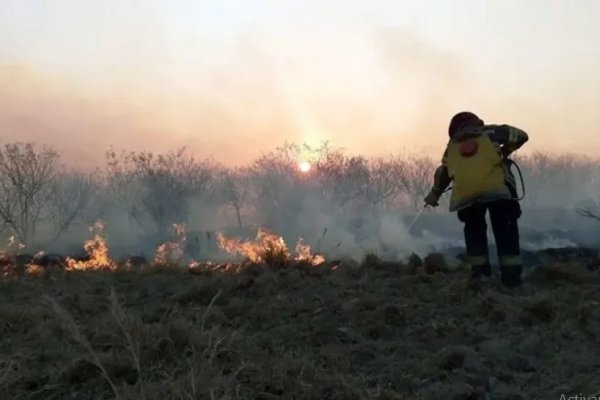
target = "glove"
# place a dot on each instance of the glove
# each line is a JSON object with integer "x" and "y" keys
{"x": 432, "y": 198}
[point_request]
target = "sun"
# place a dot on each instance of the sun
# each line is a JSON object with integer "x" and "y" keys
{"x": 304, "y": 166}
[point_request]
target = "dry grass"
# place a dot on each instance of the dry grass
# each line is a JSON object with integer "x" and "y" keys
{"x": 371, "y": 331}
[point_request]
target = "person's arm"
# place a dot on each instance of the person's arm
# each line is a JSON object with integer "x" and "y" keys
{"x": 509, "y": 137}
{"x": 441, "y": 180}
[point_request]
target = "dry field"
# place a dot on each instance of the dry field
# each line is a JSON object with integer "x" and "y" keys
{"x": 296, "y": 331}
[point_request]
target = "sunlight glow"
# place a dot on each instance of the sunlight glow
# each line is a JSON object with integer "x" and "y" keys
{"x": 304, "y": 166}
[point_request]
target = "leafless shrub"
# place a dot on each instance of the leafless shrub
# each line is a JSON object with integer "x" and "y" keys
{"x": 280, "y": 191}
{"x": 556, "y": 180}
{"x": 341, "y": 178}
{"x": 382, "y": 182}
{"x": 586, "y": 212}
{"x": 535, "y": 167}
{"x": 417, "y": 177}
{"x": 71, "y": 199}
{"x": 158, "y": 187}
{"x": 157, "y": 190}
{"x": 235, "y": 188}
{"x": 26, "y": 176}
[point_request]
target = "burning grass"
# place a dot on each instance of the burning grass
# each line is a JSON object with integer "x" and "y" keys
{"x": 268, "y": 248}
{"x": 97, "y": 250}
{"x": 172, "y": 253}
{"x": 346, "y": 331}
{"x": 276, "y": 326}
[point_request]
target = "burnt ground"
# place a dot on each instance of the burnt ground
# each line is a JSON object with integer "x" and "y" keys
{"x": 346, "y": 331}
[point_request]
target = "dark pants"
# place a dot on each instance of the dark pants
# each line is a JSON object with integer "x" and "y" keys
{"x": 504, "y": 215}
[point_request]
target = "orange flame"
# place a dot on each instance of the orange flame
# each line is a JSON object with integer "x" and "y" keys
{"x": 267, "y": 246}
{"x": 305, "y": 254}
{"x": 13, "y": 242}
{"x": 34, "y": 270}
{"x": 97, "y": 251}
{"x": 172, "y": 252}
{"x": 257, "y": 251}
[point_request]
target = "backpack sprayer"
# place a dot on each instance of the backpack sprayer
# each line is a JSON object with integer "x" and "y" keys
{"x": 510, "y": 163}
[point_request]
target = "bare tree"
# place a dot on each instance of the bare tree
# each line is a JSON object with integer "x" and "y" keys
{"x": 588, "y": 213}
{"x": 591, "y": 203}
{"x": 235, "y": 189}
{"x": 275, "y": 193}
{"x": 382, "y": 182}
{"x": 417, "y": 177}
{"x": 342, "y": 178}
{"x": 557, "y": 180}
{"x": 281, "y": 192}
{"x": 26, "y": 177}
{"x": 536, "y": 169}
{"x": 158, "y": 187}
{"x": 71, "y": 196}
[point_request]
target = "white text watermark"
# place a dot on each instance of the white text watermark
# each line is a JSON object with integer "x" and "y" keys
{"x": 580, "y": 396}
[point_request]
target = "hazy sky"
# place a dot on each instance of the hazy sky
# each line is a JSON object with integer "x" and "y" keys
{"x": 234, "y": 78}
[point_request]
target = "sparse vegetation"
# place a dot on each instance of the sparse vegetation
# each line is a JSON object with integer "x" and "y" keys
{"x": 337, "y": 331}
{"x": 26, "y": 181}
{"x": 289, "y": 324}
{"x": 42, "y": 202}
{"x": 158, "y": 188}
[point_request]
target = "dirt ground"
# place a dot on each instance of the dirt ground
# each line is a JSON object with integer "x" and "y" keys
{"x": 338, "y": 331}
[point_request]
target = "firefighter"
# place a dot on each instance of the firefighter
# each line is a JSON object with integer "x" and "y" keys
{"x": 475, "y": 161}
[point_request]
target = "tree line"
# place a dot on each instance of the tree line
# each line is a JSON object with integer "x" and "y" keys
{"x": 40, "y": 196}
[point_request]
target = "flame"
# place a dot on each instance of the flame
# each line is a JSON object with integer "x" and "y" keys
{"x": 34, "y": 270}
{"x": 196, "y": 267}
{"x": 305, "y": 254}
{"x": 172, "y": 252}
{"x": 14, "y": 242}
{"x": 267, "y": 247}
{"x": 7, "y": 266}
{"x": 97, "y": 251}
{"x": 266, "y": 244}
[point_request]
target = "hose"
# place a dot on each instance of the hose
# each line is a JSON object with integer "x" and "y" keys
{"x": 510, "y": 164}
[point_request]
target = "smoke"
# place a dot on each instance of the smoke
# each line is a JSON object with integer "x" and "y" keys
{"x": 235, "y": 102}
{"x": 80, "y": 125}
{"x": 332, "y": 218}
{"x": 371, "y": 91}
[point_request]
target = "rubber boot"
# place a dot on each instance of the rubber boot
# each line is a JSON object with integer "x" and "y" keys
{"x": 478, "y": 271}
{"x": 511, "y": 276}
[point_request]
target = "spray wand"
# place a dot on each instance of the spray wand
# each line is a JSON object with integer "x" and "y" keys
{"x": 510, "y": 164}
{"x": 421, "y": 211}
{"x": 417, "y": 217}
